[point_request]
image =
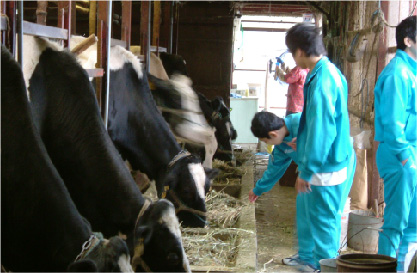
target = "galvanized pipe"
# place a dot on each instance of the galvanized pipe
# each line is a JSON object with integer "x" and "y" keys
{"x": 20, "y": 32}
{"x": 109, "y": 23}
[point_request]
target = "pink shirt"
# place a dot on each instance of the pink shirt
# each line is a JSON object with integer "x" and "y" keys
{"x": 295, "y": 96}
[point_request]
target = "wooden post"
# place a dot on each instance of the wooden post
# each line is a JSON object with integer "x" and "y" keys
{"x": 64, "y": 19}
{"x": 11, "y": 36}
{"x": 41, "y": 12}
{"x": 101, "y": 48}
{"x": 73, "y": 18}
{"x": 145, "y": 29}
{"x": 127, "y": 22}
{"x": 156, "y": 24}
{"x": 92, "y": 17}
{"x": 175, "y": 28}
{"x": 19, "y": 29}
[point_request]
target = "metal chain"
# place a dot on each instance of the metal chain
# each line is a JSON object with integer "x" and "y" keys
{"x": 85, "y": 247}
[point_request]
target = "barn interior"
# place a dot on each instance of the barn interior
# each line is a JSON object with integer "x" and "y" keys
{"x": 231, "y": 50}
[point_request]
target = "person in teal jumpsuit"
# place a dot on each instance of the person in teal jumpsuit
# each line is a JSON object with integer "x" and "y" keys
{"x": 395, "y": 130}
{"x": 326, "y": 160}
{"x": 283, "y": 133}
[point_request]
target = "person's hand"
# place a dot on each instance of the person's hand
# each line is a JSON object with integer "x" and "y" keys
{"x": 287, "y": 70}
{"x": 252, "y": 196}
{"x": 293, "y": 144}
{"x": 404, "y": 162}
{"x": 302, "y": 186}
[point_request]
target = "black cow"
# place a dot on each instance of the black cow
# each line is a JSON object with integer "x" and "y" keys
{"x": 41, "y": 228}
{"x": 67, "y": 115}
{"x": 143, "y": 138}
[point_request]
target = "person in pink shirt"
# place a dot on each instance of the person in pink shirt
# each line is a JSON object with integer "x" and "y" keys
{"x": 295, "y": 78}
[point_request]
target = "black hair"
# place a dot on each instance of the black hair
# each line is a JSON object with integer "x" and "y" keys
{"x": 265, "y": 122}
{"x": 307, "y": 38}
{"x": 407, "y": 28}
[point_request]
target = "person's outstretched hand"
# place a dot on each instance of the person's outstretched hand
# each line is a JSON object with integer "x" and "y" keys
{"x": 252, "y": 196}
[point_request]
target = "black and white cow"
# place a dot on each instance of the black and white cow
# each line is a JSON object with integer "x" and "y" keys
{"x": 180, "y": 107}
{"x": 218, "y": 115}
{"x": 67, "y": 116}
{"x": 216, "y": 112}
{"x": 143, "y": 137}
{"x": 41, "y": 229}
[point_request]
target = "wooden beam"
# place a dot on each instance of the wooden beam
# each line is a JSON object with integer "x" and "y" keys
{"x": 145, "y": 10}
{"x": 127, "y": 22}
{"x": 11, "y": 37}
{"x": 44, "y": 31}
{"x": 41, "y": 12}
{"x": 156, "y": 24}
{"x": 73, "y": 19}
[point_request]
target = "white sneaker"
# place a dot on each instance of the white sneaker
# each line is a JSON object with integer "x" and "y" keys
{"x": 294, "y": 260}
{"x": 307, "y": 268}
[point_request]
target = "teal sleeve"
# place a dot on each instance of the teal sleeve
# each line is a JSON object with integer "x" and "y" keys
{"x": 394, "y": 101}
{"x": 277, "y": 164}
{"x": 321, "y": 132}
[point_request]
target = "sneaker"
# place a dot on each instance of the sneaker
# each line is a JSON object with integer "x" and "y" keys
{"x": 294, "y": 260}
{"x": 307, "y": 268}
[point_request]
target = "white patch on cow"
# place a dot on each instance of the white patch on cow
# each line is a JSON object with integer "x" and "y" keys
{"x": 88, "y": 58}
{"x": 228, "y": 126}
{"x": 199, "y": 176}
{"x": 32, "y": 50}
{"x": 171, "y": 221}
{"x": 124, "y": 263}
{"x": 119, "y": 56}
{"x": 156, "y": 68}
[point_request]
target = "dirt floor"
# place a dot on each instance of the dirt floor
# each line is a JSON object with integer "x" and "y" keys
{"x": 275, "y": 224}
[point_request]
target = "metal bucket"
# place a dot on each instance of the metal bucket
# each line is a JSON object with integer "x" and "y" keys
{"x": 363, "y": 231}
{"x": 327, "y": 265}
{"x": 359, "y": 262}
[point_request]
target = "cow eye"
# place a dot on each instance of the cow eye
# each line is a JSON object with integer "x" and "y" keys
{"x": 173, "y": 258}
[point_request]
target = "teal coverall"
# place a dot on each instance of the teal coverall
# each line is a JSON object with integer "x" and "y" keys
{"x": 395, "y": 129}
{"x": 279, "y": 161}
{"x": 324, "y": 149}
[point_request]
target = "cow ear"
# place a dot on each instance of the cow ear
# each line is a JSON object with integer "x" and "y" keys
{"x": 83, "y": 266}
{"x": 144, "y": 233}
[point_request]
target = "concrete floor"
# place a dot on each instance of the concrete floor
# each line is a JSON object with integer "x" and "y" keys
{"x": 275, "y": 225}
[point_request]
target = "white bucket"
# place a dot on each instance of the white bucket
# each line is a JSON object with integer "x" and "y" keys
{"x": 344, "y": 224}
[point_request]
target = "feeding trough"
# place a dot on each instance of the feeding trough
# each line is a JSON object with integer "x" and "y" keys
{"x": 229, "y": 244}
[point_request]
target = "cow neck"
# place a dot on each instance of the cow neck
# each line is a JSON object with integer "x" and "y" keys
{"x": 20, "y": 134}
{"x": 81, "y": 149}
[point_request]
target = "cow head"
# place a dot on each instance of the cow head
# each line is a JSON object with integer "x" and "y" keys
{"x": 185, "y": 184}
{"x": 173, "y": 64}
{"x": 225, "y": 132}
{"x": 157, "y": 240}
{"x": 105, "y": 256}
